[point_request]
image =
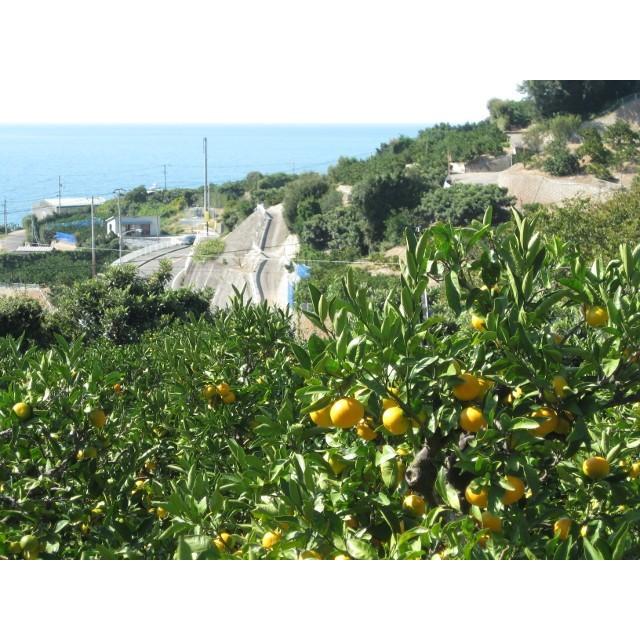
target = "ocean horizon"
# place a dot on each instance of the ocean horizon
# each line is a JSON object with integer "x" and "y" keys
{"x": 95, "y": 159}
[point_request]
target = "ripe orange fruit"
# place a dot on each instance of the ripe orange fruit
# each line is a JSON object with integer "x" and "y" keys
{"x": 346, "y": 412}
{"x": 117, "y": 388}
{"x": 309, "y": 554}
{"x": 229, "y": 398}
{"x": 472, "y": 419}
{"x": 559, "y": 383}
{"x": 395, "y": 421}
{"x": 387, "y": 403}
{"x": 223, "y": 389}
{"x": 513, "y": 495}
{"x": 22, "y": 410}
{"x": 595, "y": 468}
{"x": 209, "y": 391}
{"x": 161, "y": 513}
{"x": 634, "y": 472}
{"x": 322, "y": 417}
{"x": 491, "y": 522}
{"x": 478, "y": 323}
{"x": 223, "y": 542}
{"x": 98, "y": 418}
{"x": 596, "y": 316}
{"x": 548, "y": 425}
{"x": 364, "y": 430}
{"x": 562, "y": 528}
{"x": 271, "y": 539}
{"x": 469, "y": 389}
{"x": 415, "y": 505}
{"x": 477, "y": 498}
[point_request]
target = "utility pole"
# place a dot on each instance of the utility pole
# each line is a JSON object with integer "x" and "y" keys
{"x": 164, "y": 194}
{"x": 93, "y": 244}
{"x": 206, "y": 187}
{"x": 118, "y": 192}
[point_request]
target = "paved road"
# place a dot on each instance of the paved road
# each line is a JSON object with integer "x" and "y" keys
{"x": 251, "y": 260}
{"x": 150, "y": 262}
{"x": 234, "y": 267}
{"x": 13, "y": 240}
{"x": 280, "y": 247}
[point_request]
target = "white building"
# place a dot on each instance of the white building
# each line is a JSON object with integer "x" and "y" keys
{"x": 134, "y": 226}
{"x": 53, "y": 206}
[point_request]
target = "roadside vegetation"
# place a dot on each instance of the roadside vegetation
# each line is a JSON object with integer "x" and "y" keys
{"x": 208, "y": 249}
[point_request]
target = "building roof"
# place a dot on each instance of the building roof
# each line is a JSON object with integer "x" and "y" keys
{"x": 72, "y": 202}
{"x": 134, "y": 219}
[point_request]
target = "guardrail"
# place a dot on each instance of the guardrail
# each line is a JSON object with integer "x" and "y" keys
{"x": 152, "y": 248}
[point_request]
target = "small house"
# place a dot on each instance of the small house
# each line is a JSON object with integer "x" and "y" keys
{"x": 134, "y": 226}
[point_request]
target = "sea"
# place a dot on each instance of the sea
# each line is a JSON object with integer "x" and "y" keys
{"x": 93, "y": 160}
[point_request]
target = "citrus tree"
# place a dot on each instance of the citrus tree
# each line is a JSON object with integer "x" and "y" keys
{"x": 523, "y": 415}
{"x": 506, "y": 428}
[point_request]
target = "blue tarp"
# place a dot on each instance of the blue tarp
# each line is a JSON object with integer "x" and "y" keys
{"x": 303, "y": 271}
{"x": 66, "y": 237}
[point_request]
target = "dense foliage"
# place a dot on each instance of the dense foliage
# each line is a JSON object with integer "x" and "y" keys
{"x": 559, "y": 161}
{"x": 20, "y": 315}
{"x": 510, "y": 115}
{"x": 121, "y": 305}
{"x": 459, "y": 205}
{"x": 518, "y": 422}
{"x": 340, "y": 228}
{"x": 582, "y": 97}
{"x": 50, "y": 269}
{"x": 594, "y": 228}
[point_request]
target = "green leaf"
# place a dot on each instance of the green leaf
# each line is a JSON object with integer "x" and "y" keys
{"x": 609, "y": 366}
{"x": 591, "y": 552}
{"x": 183, "y": 551}
{"x": 360, "y": 549}
{"x": 452, "y": 290}
{"x": 446, "y": 491}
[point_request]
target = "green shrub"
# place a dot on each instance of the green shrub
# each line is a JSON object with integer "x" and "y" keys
{"x": 341, "y": 228}
{"x": 301, "y": 199}
{"x": 511, "y": 114}
{"x": 559, "y": 161}
{"x": 21, "y": 315}
{"x": 120, "y": 305}
{"x": 208, "y": 249}
{"x": 594, "y": 228}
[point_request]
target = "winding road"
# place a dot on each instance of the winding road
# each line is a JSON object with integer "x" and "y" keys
{"x": 254, "y": 257}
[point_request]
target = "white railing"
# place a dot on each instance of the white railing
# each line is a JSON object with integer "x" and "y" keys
{"x": 152, "y": 248}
